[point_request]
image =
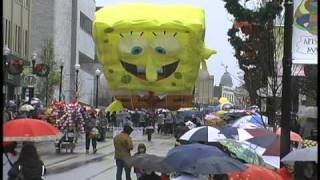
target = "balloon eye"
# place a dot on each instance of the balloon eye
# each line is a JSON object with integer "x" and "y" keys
{"x": 136, "y": 50}
{"x": 160, "y": 50}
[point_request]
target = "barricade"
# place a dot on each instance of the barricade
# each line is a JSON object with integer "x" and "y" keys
{"x": 137, "y": 133}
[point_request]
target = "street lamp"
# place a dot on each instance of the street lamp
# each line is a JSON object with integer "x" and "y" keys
{"x": 98, "y": 72}
{"x": 33, "y": 61}
{"x": 77, "y": 67}
{"x": 6, "y": 52}
{"x": 60, "y": 87}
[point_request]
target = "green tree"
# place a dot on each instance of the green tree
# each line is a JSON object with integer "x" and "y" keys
{"x": 46, "y": 89}
{"x": 258, "y": 46}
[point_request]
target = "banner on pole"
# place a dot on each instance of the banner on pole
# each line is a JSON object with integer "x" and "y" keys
{"x": 305, "y": 32}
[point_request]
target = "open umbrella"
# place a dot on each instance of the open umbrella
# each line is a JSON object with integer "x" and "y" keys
{"x": 29, "y": 130}
{"x": 242, "y": 151}
{"x": 148, "y": 162}
{"x": 202, "y": 134}
{"x": 256, "y": 119}
{"x": 305, "y": 154}
{"x": 115, "y": 106}
{"x": 293, "y": 136}
{"x": 26, "y": 107}
{"x": 244, "y": 133}
{"x": 255, "y": 172}
{"x": 201, "y": 159}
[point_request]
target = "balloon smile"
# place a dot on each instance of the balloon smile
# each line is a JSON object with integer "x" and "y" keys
{"x": 140, "y": 72}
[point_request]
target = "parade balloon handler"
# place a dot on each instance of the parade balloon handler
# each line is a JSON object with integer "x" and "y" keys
{"x": 123, "y": 145}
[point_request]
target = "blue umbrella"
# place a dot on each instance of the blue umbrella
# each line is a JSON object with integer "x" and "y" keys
{"x": 201, "y": 159}
{"x": 255, "y": 119}
{"x": 229, "y": 132}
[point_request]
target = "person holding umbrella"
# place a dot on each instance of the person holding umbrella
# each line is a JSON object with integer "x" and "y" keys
{"x": 29, "y": 165}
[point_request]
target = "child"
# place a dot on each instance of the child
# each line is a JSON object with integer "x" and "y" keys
{"x": 141, "y": 150}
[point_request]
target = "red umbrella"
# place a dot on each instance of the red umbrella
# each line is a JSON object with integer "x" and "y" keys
{"x": 255, "y": 172}
{"x": 29, "y": 130}
{"x": 293, "y": 136}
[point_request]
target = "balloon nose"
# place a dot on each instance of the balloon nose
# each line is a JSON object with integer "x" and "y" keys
{"x": 151, "y": 71}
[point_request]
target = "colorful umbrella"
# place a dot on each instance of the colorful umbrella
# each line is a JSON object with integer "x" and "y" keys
{"x": 255, "y": 172}
{"x": 202, "y": 134}
{"x": 256, "y": 119}
{"x": 29, "y": 130}
{"x": 115, "y": 106}
{"x": 242, "y": 151}
{"x": 293, "y": 136}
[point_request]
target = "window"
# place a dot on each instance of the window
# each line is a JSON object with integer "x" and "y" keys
{"x": 19, "y": 39}
{"x": 5, "y": 33}
{"x": 85, "y": 23}
{"x": 26, "y": 41}
{"x": 16, "y": 39}
{"x": 9, "y": 35}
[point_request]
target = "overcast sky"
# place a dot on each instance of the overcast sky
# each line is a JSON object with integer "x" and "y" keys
{"x": 218, "y": 21}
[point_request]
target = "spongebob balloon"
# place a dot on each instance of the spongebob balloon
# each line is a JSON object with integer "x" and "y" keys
{"x": 151, "y": 51}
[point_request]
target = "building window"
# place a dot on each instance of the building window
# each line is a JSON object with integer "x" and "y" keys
{"x": 26, "y": 43}
{"x": 16, "y": 39}
{"x": 5, "y": 33}
{"x": 9, "y": 35}
{"x": 85, "y": 23}
{"x": 19, "y": 39}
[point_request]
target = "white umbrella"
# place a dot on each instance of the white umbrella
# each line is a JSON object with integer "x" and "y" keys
{"x": 26, "y": 107}
{"x": 305, "y": 154}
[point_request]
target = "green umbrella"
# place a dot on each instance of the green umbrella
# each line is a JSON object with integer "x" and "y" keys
{"x": 242, "y": 151}
{"x": 115, "y": 106}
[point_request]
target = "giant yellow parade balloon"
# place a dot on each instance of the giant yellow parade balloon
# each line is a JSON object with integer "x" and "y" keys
{"x": 151, "y": 53}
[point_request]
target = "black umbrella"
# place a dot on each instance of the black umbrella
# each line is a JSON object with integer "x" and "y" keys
{"x": 201, "y": 159}
{"x": 148, "y": 162}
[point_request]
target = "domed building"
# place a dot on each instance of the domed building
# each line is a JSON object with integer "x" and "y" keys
{"x": 226, "y": 80}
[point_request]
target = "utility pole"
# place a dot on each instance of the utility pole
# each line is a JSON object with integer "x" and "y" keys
{"x": 286, "y": 80}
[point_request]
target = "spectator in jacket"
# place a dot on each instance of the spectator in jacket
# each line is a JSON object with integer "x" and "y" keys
{"x": 123, "y": 145}
{"x": 90, "y": 124}
{"x": 29, "y": 164}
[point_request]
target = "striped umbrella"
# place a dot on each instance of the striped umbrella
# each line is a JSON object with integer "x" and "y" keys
{"x": 202, "y": 134}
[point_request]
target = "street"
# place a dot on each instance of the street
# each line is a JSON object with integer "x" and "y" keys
{"x": 98, "y": 166}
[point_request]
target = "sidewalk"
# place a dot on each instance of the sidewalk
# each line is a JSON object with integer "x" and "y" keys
{"x": 58, "y": 163}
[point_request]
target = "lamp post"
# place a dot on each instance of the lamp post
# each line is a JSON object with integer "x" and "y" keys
{"x": 77, "y": 67}
{"x": 6, "y": 52}
{"x": 31, "y": 88}
{"x": 98, "y": 72}
{"x": 60, "y": 87}
{"x": 33, "y": 61}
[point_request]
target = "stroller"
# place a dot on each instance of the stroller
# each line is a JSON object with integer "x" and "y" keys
{"x": 68, "y": 140}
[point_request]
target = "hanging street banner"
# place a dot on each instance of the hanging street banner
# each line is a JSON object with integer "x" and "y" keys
{"x": 305, "y": 32}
